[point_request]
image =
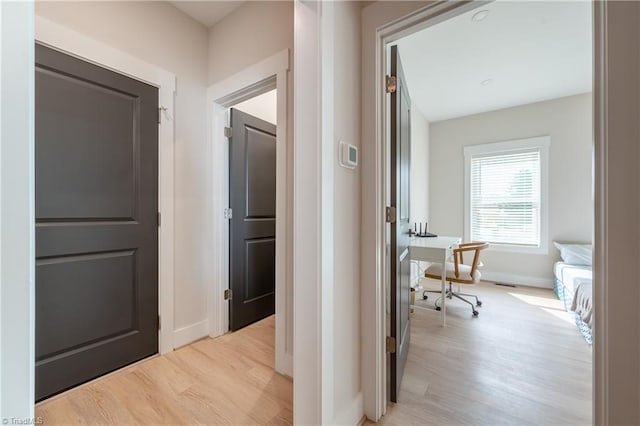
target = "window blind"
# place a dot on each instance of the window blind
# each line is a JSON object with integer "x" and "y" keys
{"x": 505, "y": 198}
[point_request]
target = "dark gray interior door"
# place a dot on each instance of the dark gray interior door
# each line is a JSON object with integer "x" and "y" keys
{"x": 400, "y": 261}
{"x": 252, "y": 239}
{"x": 96, "y": 161}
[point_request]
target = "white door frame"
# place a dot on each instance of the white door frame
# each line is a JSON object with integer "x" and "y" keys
{"x": 616, "y": 348}
{"x": 373, "y": 278}
{"x": 616, "y": 249}
{"x": 79, "y": 45}
{"x": 17, "y": 253}
{"x": 269, "y": 74}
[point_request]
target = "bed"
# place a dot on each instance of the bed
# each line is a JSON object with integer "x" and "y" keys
{"x": 573, "y": 284}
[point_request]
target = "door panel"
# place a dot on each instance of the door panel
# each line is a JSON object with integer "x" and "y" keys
{"x": 260, "y": 267}
{"x": 96, "y": 163}
{"x": 400, "y": 126}
{"x": 103, "y": 309}
{"x": 252, "y": 196}
{"x": 105, "y": 157}
{"x": 261, "y": 174}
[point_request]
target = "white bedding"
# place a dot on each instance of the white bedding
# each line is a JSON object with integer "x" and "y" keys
{"x": 582, "y": 303}
{"x": 577, "y": 282}
{"x": 568, "y": 274}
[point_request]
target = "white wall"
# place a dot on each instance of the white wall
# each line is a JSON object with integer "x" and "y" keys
{"x": 327, "y": 385}
{"x": 160, "y": 34}
{"x": 254, "y": 31}
{"x": 308, "y": 239}
{"x": 419, "y": 166}
{"x": 419, "y": 183}
{"x": 249, "y": 34}
{"x": 569, "y": 123}
{"x": 345, "y": 107}
{"x": 264, "y": 106}
{"x": 16, "y": 211}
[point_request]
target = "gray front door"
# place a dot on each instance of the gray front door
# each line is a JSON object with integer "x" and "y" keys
{"x": 400, "y": 262}
{"x": 96, "y": 161}
{"x": 252, "y": 239}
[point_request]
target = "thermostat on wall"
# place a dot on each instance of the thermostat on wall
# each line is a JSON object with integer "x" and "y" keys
{"x": 349, "y": 155}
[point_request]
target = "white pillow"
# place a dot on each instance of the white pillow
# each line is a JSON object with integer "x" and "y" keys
{"x": 575, "y": 254}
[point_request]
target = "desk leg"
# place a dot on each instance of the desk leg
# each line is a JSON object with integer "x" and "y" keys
{"x": 443, "y": 290}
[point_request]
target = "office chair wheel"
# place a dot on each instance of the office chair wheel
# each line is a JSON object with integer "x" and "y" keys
{"x": 478, "y": 303}
{"x": 476, "y": 313}
{"x": 424, "y": 297}
{"x": 438, "y": 308}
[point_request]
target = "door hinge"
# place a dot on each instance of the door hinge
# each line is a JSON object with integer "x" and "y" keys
{"x": 227, "y": 132}
{"x": 228, "y": 294}
{"x": 391, "y": 83}
{"x": 228, "y": 213}
{"x": 391, "y": 345}
{"x": 159, "y": 219}
{"x": 159, "y": 323}
{"x": 159, "y": 115}
{"x": 390, "y": 214}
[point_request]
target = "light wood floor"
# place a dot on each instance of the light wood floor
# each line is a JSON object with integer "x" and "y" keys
{"x": 522, "y": 361}
{"x": 228, "y": 380}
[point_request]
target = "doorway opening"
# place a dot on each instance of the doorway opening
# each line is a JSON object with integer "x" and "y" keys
{"x": 249, "y": 140}
{"x": 501, "y": 135}
{"x": 252, "y": 196}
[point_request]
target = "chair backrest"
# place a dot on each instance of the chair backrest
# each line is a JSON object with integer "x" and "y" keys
{"x": 458, "y": 256}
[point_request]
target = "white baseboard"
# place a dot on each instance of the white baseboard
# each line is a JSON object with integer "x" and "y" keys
{"x": 190, "y": 333}
{"x": 524, "y": 280}
{"x": 352, "y": 414}
{"x": 285, "y": 365}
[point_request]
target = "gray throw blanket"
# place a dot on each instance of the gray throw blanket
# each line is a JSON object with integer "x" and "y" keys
{"x": 582, "y": 300}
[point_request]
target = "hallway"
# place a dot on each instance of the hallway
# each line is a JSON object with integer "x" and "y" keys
{"x": 228, "y": 380}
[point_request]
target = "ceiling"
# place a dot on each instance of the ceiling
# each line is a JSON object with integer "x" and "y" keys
{"x": 521, "y": 52}
{"x": 208, "y": 13}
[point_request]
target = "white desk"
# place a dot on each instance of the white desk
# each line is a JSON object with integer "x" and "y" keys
{"x": 436, "y": 250}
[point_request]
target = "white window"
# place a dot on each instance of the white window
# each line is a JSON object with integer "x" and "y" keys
{"x": 506, "y": 194}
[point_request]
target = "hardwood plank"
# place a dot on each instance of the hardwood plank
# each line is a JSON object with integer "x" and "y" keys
{"x": 522, "y": 361}
{"x": 228, "y": 380}
{"x": 517, "y": 363}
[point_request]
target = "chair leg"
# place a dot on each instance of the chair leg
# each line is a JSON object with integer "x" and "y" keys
{"x": 450, "y": 294}
{"x": 424, "y": 293}
{"x": 436, "y": 303}
{"x": 447, "y": 294}
{"x": 473, "y": 309}
{"x": 478, "y": 302}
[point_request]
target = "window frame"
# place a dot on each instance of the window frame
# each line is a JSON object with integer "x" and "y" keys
{"x": 540, "y": 143}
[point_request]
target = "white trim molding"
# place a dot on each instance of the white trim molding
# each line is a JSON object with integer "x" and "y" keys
{"x": 616, "y": 332}
{"x": 351, "y": 414}
{"x": 245, "y": 84}
{"x": 190, "y": 333}
{"x": 308, "y": 348}
{"x": 17, "y": 248}
{"x": 79, "y": 45}
{"x": 523, "y": 280}
{"x": 268, "y": 74}
{"x": 540, "y": 144}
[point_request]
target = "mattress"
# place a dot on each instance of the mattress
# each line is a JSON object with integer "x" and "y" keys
{"x": 567, "y": 274}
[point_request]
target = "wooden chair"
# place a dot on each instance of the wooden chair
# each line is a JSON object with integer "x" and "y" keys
{"x": 460, "y": 273}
